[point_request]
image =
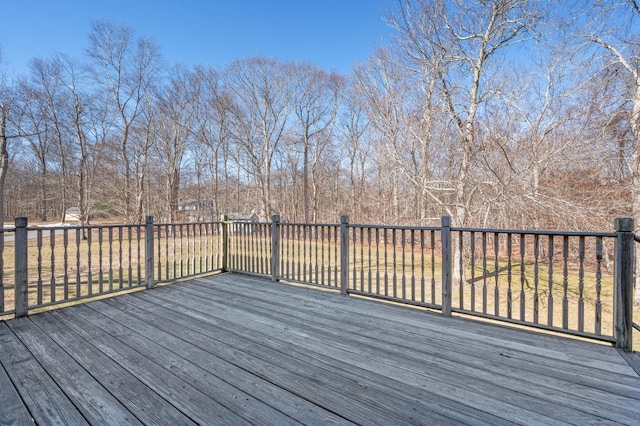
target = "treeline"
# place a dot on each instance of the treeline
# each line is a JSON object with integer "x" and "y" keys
{"x": 504, "y": 113}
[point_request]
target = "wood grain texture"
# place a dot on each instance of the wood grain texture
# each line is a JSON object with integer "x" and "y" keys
{"x": 232, "y": 349}
{"x": 12, "y": 409}
{"x": 46, "y": 402}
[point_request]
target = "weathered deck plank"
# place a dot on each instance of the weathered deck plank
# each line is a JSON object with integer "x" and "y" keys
{"x": 46, "y": 402}
{"x": 403, "y": 347}
{"x": 142, "y": 402}
{"x": 12, "y": 410}
{"x": 230, "y": 349}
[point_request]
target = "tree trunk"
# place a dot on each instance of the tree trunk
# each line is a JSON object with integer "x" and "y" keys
{"x": 635, "y": 178}
{"x": 4, "y": 159}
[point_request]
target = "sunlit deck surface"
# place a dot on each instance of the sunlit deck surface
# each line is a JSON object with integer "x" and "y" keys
{"x": 230, "y": 349}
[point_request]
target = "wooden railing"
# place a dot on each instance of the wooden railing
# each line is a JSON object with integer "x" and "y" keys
{"x": 570, "y": 282}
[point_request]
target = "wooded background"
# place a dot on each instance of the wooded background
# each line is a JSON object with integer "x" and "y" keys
{"x": 499, "y": 113}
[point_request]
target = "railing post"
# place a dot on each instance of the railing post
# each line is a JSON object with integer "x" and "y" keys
{"x": 344, "y": 254}
{"x": 275, "y": 246}
{"x": 149, "y": 252}
{"x": 446, "y": 264}
{"x": 21, "y": 268}
{"x": 623, "y": 284}
{"x": 224, "y": 226}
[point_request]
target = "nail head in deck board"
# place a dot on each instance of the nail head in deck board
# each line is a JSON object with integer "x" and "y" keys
{"x": 46, "y": 402}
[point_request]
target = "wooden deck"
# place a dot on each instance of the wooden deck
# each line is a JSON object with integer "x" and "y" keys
{"x": 229, "y": 349}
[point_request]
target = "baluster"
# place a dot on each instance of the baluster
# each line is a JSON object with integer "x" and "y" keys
{"x": 316, "y": 229}
{"x": 362, "y": 258}
{"x": 299, "y": 269}
{"x": 52, "y": 243}
{"x": 369, "y": 274}
{"x": 329, "y": 255}
{"x": 89, "y": 271}
{"x": 101, "y": 261}
{"x": 174, "y": 248}
{"x": 404, "y": 263}
{"x": 522, "y": 276}
{"x": 550, "y": 297}
{"x": 484, "y": 272}
{"x": 120, "y": 275}
{"x": 265, "y": 238}
{"x": 207, "y": 249}
{"x": 461, "y": 267}
{"x": 472, "y": 238}
{"x": 336, "y": 249}
{"x": 496, "y": 295}
{"x": 78, "y": 290}
{"x": 395, "y": 275}
{"x": 565, "y": 282}
{"x": 354, "y": 251}
{"x": 129, "y": 252}
{"x": 536, "y": 255}
{"x": 65, "y": 243}
{"x": 598, "y": 318}
{"x": 289, "y": 258}
{"x": 413, "y": 265}
{"x": 201, "y": 252}
{"x": 181, "y": 230}
{"x": 139, "y": 255}
{"x": 433, "y": 266}
{"x": 304, "y": 252}
{"x": 422, "y": 281}
{"x": 377, "y": 261}
{"x": 166, "y": 251}
{"x": 581, "y": 283}
{"x": 39, "y": 283}
{"x": 386, "y": 272}
{"x": 509, "y": 294}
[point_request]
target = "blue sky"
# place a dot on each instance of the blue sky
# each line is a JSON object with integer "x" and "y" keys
{"x": 333, "y": 34}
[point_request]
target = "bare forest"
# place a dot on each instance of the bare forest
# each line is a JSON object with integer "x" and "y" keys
{"x": 500, "y": 113}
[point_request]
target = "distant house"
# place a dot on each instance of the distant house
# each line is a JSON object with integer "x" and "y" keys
{"x": 72, "y": 214}
{"x": 195, "y": 210}
{"x": 242, "y": 222}
{"x": 242, "y": 217}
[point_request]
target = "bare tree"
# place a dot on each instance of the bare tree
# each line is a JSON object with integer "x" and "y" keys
{"x": 126, "y": 68}
{"x": 32, "y": 117}
{"x": 614, "y": 28}
{"x": 212, "y": 105}
{"x": 175, "y": 119}
{"x": 316, "y": 104}
{"x": 354, "y": 124}
{"x": 457, "y": 42}
{"x": 264, "y": 92}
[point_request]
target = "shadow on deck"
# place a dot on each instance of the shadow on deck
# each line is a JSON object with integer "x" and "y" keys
{"x": 230, "y": 349}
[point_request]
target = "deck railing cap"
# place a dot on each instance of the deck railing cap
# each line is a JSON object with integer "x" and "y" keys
{"x": 624, "y": 224}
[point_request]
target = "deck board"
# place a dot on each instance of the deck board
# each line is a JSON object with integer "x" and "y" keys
{"x": 403, "y": 348}
{"x": 231, "y": 349}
